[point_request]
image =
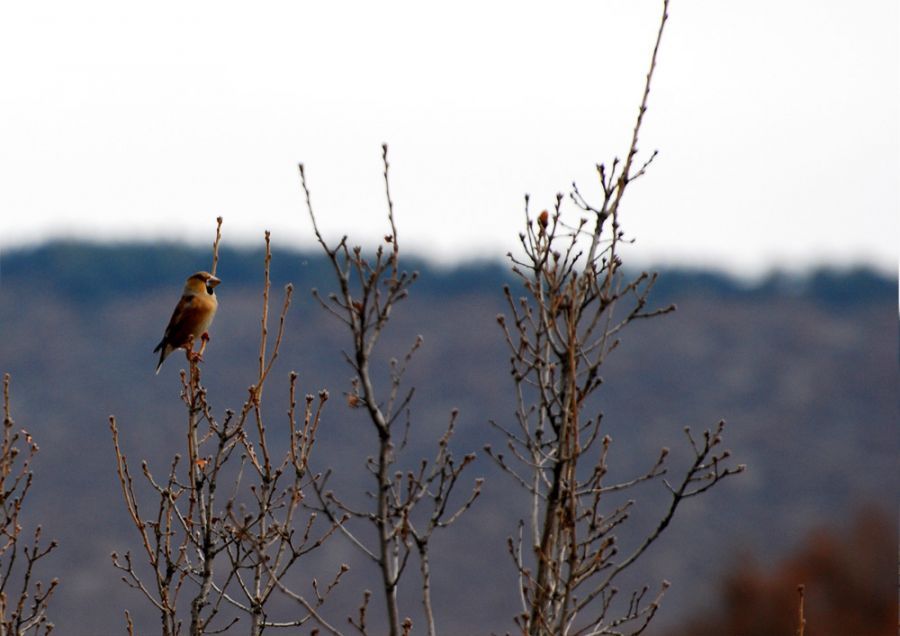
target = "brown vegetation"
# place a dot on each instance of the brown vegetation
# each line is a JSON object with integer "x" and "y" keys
{"x": 847, "y": 587}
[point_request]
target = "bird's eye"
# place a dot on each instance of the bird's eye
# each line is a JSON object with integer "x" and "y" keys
{"x": 209, "y": 289}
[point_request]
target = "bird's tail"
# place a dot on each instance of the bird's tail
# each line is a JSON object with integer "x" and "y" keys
{"x": 162, "y": 354}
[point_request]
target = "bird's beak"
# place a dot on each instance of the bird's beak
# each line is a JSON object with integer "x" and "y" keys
{"x": 213, "y": 281}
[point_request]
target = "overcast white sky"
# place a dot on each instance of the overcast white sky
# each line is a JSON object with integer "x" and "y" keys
{"x": 777, "y": 122}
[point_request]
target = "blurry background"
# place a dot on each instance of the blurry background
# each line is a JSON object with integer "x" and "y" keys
{"x": 772, "y": 210}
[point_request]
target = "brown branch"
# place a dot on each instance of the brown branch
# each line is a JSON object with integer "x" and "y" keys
{"x": 801, "y": 616}
{"x": 215, "y": 258}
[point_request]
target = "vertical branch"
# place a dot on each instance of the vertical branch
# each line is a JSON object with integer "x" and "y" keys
{"x": 201, "y": 500}
{"x": 387, "y": 544}
{"x": 394, "y": 241}
{"x": 215, "y": 257}
{"x": 633, "y": 148}
{"x": 201, "y": 504}
{"x": 801, "y": 616}
{"x": 256, "y": 391}
{"x": 614, "y": 186}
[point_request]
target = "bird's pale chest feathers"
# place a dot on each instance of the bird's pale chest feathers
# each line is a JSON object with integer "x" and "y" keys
{"x": 205, "y": 305}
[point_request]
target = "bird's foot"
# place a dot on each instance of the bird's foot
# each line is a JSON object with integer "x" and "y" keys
{"x": 204, "y": 339}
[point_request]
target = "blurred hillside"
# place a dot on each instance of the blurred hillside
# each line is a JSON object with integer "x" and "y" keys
{"x": 804, "y": 369}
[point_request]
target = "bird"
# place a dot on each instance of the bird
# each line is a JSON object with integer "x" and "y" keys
{"x": 192, "y": 317}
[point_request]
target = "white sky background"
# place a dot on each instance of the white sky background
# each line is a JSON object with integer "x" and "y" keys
{"x": 777, "y": 123}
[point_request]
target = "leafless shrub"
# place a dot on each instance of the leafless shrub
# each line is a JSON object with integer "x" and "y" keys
{"x": 223, "y": 530}
{"x": 408, "y": 506}
{"x": 23, "y": 600}
{"x": 576, "y": 303}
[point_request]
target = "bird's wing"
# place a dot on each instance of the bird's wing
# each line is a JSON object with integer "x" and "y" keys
{"x": 187, "y": 315}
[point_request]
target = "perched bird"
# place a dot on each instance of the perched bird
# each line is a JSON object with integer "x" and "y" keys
{"x": 192, "y": 316}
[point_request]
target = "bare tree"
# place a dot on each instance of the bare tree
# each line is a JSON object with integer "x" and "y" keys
{"x": 232, "y": 549}
{"x": 576, "y": 303}
{"x": 408, "y": 506}
{"x": 23, "y": 600}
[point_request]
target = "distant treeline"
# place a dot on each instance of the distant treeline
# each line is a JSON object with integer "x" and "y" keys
{"x": 91, "y": 272}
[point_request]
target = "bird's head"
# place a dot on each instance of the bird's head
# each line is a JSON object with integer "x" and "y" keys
{"x": 201, "y": 281}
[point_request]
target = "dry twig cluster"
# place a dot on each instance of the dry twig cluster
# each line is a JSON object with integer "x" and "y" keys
{"x": 224, "y": 536}
{"x": 23, "y": 599}
{"x": 408, "y": 506}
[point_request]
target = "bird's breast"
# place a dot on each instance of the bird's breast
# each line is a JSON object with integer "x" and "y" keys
{"x": 209, "y": 305}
